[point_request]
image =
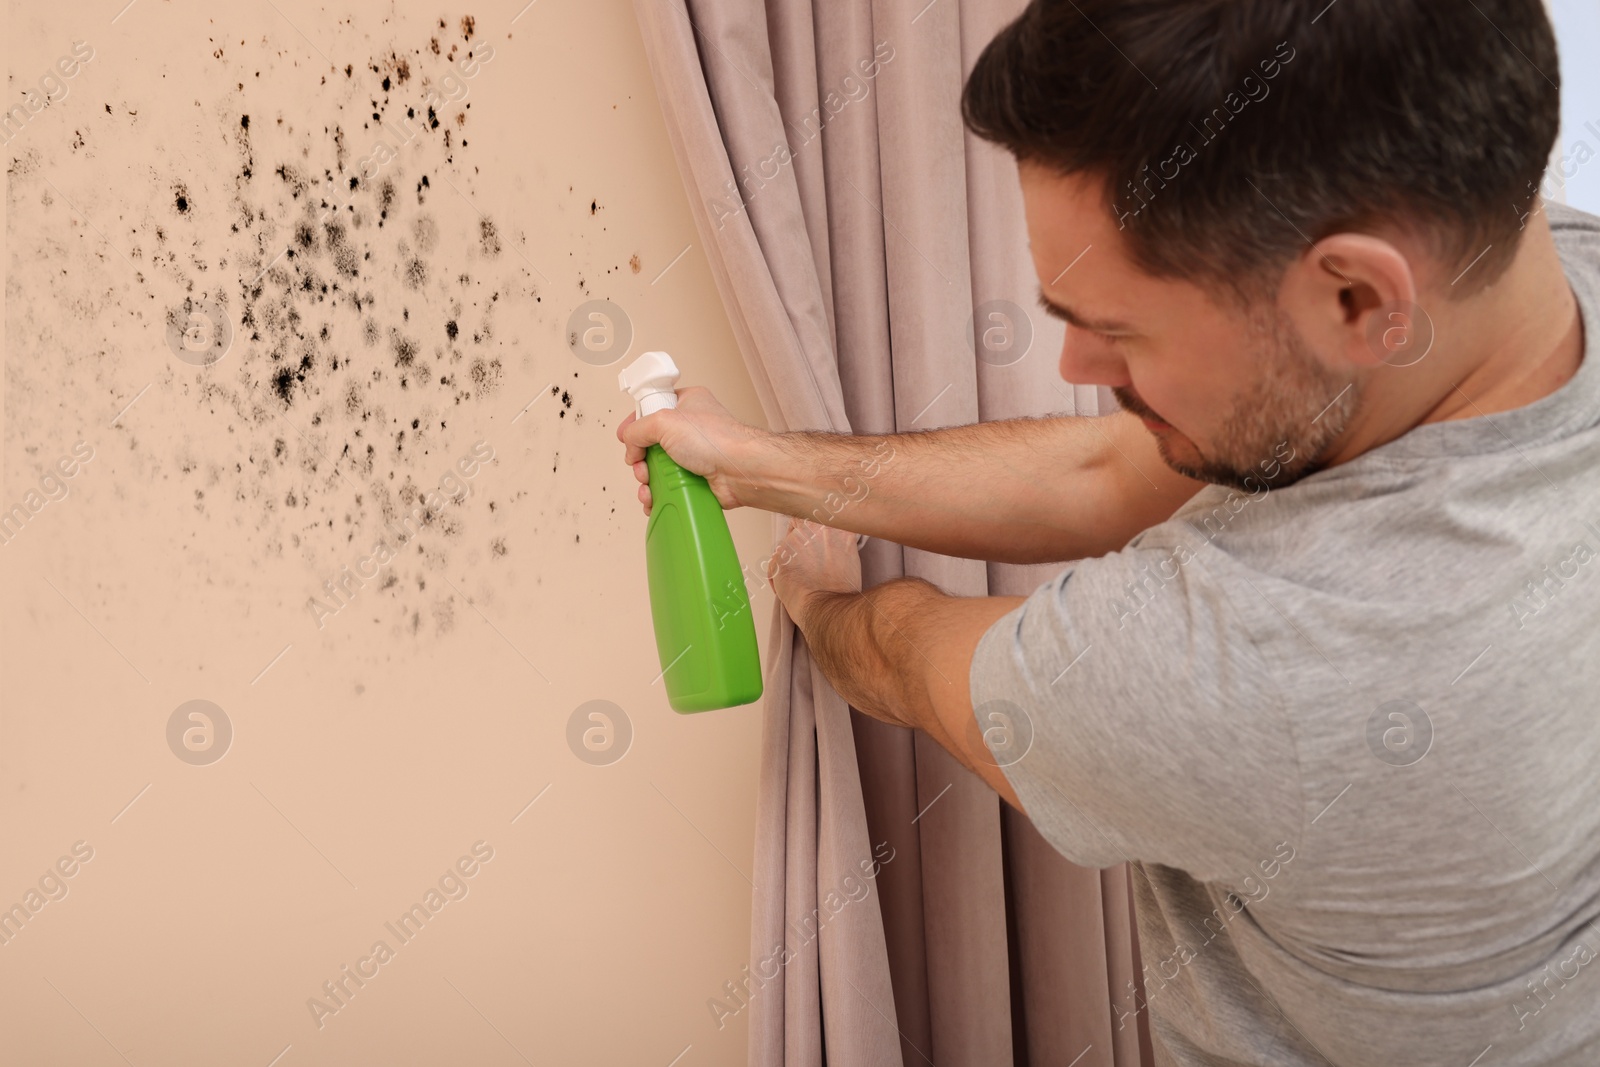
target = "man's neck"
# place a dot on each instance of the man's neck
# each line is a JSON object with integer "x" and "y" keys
{"x": 1532, "y": 335}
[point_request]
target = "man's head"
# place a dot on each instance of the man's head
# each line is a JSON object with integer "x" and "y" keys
{"x": 1262, "y": 193}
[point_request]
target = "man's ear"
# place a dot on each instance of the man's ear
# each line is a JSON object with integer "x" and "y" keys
{"x": 1353, "y": 296}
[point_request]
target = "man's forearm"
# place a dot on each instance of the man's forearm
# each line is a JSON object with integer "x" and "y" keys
{"x": 902, "y": 652}
{"x": 860, "y": 648}
{"x": 1017, "y": 490}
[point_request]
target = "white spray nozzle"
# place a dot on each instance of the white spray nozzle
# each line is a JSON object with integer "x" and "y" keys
{"x": 650, "y": 380}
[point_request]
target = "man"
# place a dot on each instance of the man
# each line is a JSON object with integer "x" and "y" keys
{"x": 1326, "y": 670}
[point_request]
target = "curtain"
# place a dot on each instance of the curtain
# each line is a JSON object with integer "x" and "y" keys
{"x": 856, "y": 232}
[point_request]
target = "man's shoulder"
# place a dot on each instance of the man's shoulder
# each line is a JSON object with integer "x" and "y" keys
{"x": 1576, "y": 234}
{"x": 1564, "y": 218}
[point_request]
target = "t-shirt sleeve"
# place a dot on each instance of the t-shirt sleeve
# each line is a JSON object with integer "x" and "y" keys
{"x": 1138, "y": 719}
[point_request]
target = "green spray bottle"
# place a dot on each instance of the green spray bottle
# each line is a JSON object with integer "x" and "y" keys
{"x": 705, "y": 632}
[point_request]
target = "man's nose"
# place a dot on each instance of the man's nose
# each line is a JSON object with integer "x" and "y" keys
{"x": 1088, "y": 359}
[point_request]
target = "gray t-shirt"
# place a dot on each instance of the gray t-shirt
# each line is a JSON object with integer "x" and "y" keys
{"x": 1347, "y": 735}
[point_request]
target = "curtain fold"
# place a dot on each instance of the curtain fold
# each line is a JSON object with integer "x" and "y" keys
{"x": 853, "y": 226}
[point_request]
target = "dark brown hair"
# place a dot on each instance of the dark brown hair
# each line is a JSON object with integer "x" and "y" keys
{"x": 1229, "y": 133}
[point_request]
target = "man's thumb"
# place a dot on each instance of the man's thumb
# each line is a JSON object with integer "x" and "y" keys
{"x": 643, "y": 432}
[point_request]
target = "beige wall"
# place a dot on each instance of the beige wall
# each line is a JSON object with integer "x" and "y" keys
{"x": 374, "y": 746}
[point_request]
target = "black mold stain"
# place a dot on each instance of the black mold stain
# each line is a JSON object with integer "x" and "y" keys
{"x": 385, "y": 199}
{"x": 404, "y": 349}
{"x": 485, "y": 376}
{"x": 283, "y": 384}
{"x": 336, "y": 284}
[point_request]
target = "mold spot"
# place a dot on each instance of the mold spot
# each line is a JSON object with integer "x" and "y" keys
{"x": 485, "y": 376}
{"x": 426, "y": 232}
{"x": 405, "y": 349}
{"x": 488, "y": 238}
{"x": 283, "y": 385}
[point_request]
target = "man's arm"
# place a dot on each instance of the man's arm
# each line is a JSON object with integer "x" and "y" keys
{"x": 1171, "y": 744}
{"x": 1013, "y": 491}
{"x": 900, "y": 652}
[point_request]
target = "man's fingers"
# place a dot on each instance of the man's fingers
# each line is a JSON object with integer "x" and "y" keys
{"x": 634, "y": 438}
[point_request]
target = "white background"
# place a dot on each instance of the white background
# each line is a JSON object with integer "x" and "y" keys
{"x": 1578, "y": 35}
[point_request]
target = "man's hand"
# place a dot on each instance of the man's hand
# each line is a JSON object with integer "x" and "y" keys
{"x": 699, "y": 434}
{"x": 813, "y": 559}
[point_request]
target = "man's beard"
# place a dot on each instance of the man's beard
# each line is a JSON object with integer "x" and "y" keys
{"x": 1282, "y": 426}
